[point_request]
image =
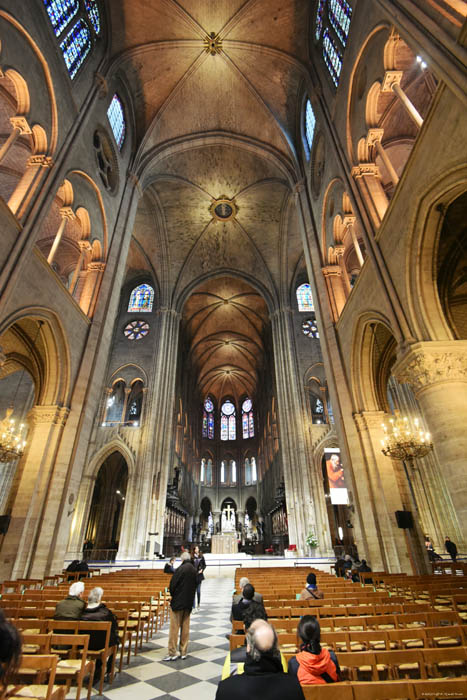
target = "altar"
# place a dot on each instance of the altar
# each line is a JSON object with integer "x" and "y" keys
{"x": 224, "y": 544}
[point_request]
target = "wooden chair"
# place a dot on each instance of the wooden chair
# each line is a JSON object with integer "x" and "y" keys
{"x": 35, "y": 643}
{"x": 73, "y": 664}
{"x": 39, "y": 667}
{"x": 123, "y": 632}
{"x": 353, "y": 665}
{"x": 402, "y": 664}
{"x": 102, "y": 654}
{"x": 330, "y": 691}
{"x": 33, "y": 626}
{"x": 383, "y": 690}
{"x": 445, "y": 662}
{"x": 440, "y": 689}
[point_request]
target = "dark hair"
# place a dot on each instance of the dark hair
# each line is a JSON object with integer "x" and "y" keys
{"x": 309, "y": 631}
{"x": 10, "y": 650}
{"x": 248, "y": 591}
{"x": 255, "y": 611}
{"x": 311, "y": 579}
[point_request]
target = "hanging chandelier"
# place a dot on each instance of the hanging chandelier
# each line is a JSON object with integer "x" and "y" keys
{"x": 405, "y": 441}
{"x": 12, "y": 442}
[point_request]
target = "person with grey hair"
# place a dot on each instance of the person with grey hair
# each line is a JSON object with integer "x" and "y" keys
{"x": 263, "y": 674}
{"x": 71, "y": 607}
{"x": 182, "y": 588}
{"x": 238, "y": 596}
{"x": 96, "y": 611}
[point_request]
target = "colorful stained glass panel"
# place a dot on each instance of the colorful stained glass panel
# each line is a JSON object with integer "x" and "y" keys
{"x": 61, "y": 12}
{"x": 245, "y": 425}
{"x": 136, "y": 330}
{"x": 251, "y": 423}
{"x": 305, "y": 298}
{"x": 224, "y": 428}
{"x": 205, "y": 425}
{"x": 232, "y": 428}
{"x": 141, "y": 299}
{"x": 76, "y": 46}
{"x": 340, "y": 14}
{"x": 93, "y": 14}
{"x": 208, "y": 405}
{"x": 116, "y": 119}
{"x": 332, "y": 57}
{"x": 319, "y": 18}
{"x": 211, "y": 426}
{"x": 310, "y": 123}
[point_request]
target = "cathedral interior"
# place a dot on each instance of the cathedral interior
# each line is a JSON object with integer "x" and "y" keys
{"x": 233, "y": 276}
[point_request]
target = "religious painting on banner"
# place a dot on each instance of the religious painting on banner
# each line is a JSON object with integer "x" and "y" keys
{"x": 336, "y": 477}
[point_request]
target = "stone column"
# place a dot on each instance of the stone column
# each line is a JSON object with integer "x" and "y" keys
{"x": 155, "y": 454}
{"x": 349, "y": 223}
{"x": 20, "y": 126}
{"x": 88, "y": 296}
{"x": 36, "y": 167}
{"x": 437, "y": 373}
{"x": 368, "y": 179}
{"x": 67, "y": 214}
{"x": 292, "y": 416}
{"x": 336, "y": 291}
{"x": 392, "y": 83}
{"x": 374, "y": 138}
{"x": 30, "y": 496}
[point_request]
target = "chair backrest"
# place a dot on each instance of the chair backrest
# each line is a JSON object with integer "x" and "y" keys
{"x": 384, "y": 690}
{"x": 41, "y": 664}
{"x": 35, "y": 643}
{"x": 328, "y": 692}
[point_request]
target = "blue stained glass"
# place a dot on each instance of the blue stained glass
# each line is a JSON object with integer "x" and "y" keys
{"x": 310, "y": 123}
{"x": 245, "y": 425}
{"x": 305, "y": 298}
{"x": 319, "y": 18}
{"x": 208, "y": 405}
{"x": 117, "y": 120}
{"x": 232, "y": 428}
{"x": 211, "y": 426}
{"x": 205, "y": 425}
{"x": 251, "y": 424}
{"x": 93, "y": 14}
{"x": 332, "y": 57}
{"x": 340, "y": 14}
{"x": 61, "y": 12}
{"x": 141, "y": 299}
{"x": 76, "y": 46}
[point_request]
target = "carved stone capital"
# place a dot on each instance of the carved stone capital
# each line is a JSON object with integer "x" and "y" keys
{"x": 364, "y": 169}
{"x": 426, "y": 364}
{"x": 21, "y": 124}
{"x": 349, "y": 220}
{"x": 367, "y": 421}
{"x": 84, "y": 246}
{"x": 67, "y": 213}
{"x": 391, "y": 77}
{"x": 374, "y": 136}
{"x": 40, "y": 159}
{"x": 48, "y": 414}
{"x": 331, "y": 271}
{"x": 97, "y": 266}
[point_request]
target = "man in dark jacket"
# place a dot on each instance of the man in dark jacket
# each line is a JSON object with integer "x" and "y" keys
{"x": 71, "y": 607}
{"x": 451, "y": 548}
{"x": 182, "y": 589}
{"x": 239, "y": 608}
{"x": 169, "y": 568}
{"x": 263, "y": 675}
{"x": 98, "y": 612}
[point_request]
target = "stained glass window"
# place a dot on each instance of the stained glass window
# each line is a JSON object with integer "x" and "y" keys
{"x": 208, "y": 419}
{"x": 319, "y": 408}
{"x": 93, "y": 14}
{"x": 340, "y": 14}
{"x": 248, "y": 423}
{"x": 305, "y": 298}
{"x": 116, "y": 119}
{"x": 141, "y": 299}
{"x": 136, "y": 330}
{"x": 332, "y": 57}
{"x": 61, "y": 12}
{"x": 319, "y": 18}
{"x": 228, "y": 421}
{"x": 310, "y": 328}
{"x": 310, "y": 123}
{"x": 224, "y": 428}
{"x": 76, "y": 46}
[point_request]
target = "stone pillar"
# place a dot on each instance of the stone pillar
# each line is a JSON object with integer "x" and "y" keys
{"x": 349, "y": 223}
{"x": 437, "y": 373}
{"x": 374, "y": 139}
{"x": 155, "y": 455}
{"x": 392, "y": 83}
{"x": 31, "y": 531}
{"x": 20, "y": 126}
{"x": 88, "y": 297}
{"x": 24, "y": 190}
{"x": 67, "y": 214}
{"x": 292, "y": 416}
{"x": 336, "y": 291}
{"x": 368, "y": 179}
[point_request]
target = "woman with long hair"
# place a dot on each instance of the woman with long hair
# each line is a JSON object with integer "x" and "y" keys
{"x": 313, "y": 665}
{"x": 199, "y": 563}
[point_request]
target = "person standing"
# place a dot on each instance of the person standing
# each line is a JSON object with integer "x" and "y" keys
{"x": 451, "y": 548}
{"x": 199, "y": 563}
{"x": 182, "y": 588}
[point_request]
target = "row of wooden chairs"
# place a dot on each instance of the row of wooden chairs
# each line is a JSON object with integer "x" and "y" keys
{"x": 434, "y": 689}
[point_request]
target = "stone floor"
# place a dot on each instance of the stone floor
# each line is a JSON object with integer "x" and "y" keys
{"x": 196, "y": 677}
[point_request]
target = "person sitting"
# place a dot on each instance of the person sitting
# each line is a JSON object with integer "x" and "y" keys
{"x": 263, "y": 675}
{"x": 339, "y": 567}
{"x": 98, "y": 612}
{"x": 311, "y": 590}
{"x": 10, "y": 653}
{"x": 238, "y": 596}
{"x": 364, "y": 566}
{"x": 235, "y": 660}
{"x": 313, "y": 665}
{"x": 239, "y": 608}
{"x": 71, "y": 607}
{"x": 169, "y": 567}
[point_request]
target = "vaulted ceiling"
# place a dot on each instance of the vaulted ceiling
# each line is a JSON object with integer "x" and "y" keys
{"x": 212, "y": 125}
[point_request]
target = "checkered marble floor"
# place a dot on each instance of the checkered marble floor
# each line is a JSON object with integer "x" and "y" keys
{"x": 197, "y": 677}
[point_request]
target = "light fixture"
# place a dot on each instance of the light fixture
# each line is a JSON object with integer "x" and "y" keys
{"x": 405, "y": 441}
{"x": 12, "y": 442}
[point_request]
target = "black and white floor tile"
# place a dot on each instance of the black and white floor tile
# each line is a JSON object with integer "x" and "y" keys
{"x": 148, "y": 676}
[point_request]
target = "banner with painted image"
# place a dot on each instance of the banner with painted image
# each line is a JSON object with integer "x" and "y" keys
{"x": 336, "y": 476}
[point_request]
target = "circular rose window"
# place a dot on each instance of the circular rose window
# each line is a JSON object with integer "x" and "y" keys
{"x": 135, "y": 330}
{"x": 310, "y": 328}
